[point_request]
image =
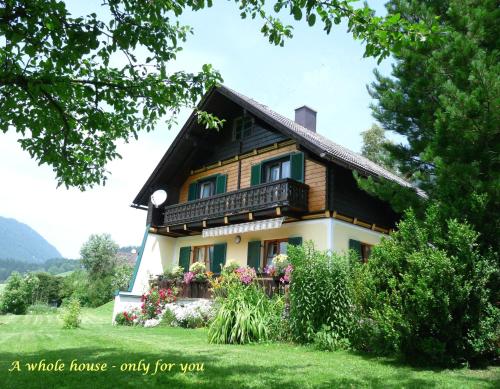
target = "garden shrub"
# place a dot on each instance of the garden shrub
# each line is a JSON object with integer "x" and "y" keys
{"x": 129, "y": 318}
{"x": 327, "y": 339}
{"x": 14, "y": 298}
{"x": 71, "y": 314}
{"x": 243, "y": 313}
{"x": 428, "y": 295}
{"x": 154, "y": 302}
{"x": 319, "y": 294}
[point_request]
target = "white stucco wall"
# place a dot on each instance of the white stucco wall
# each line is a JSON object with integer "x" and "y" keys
{"x": 317, "y": 230}
{"x": 343, "y": 231}
{"x": 156, "y": 257}
{"x": 125, "y": 301}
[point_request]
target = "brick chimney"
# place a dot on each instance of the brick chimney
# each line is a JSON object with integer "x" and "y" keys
{"x": 306, "y": 117}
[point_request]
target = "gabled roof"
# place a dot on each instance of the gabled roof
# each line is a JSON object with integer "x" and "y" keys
{"x": 317, "y": 143}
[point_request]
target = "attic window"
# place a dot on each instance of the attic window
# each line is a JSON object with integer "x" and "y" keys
{"x": 242, "y": 127}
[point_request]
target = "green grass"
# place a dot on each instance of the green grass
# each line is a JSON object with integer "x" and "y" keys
{"x": 31, "y": 338}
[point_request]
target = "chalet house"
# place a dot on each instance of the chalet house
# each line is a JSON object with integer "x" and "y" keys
{"x": 245, "y": 192}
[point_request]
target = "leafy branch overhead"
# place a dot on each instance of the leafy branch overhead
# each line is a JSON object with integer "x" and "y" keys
{"x": 382, "y": 35}
{"x": 74, "y": 86}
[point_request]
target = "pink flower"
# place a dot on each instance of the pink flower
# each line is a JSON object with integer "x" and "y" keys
{"x": 188, "y": 277}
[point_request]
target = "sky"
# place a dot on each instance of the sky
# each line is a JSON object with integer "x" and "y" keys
{"x": 325, "y": 72}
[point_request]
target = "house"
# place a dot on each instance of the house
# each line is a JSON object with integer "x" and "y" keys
{"x": 246, "y": 191}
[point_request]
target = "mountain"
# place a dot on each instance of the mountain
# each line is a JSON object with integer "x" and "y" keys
{"x": 19, "y": 241}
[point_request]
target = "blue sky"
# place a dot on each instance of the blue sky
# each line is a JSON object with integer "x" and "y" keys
{"x": 326, "y": 72}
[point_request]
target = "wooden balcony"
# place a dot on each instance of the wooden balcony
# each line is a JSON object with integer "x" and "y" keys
{"x": 287, "y": 194}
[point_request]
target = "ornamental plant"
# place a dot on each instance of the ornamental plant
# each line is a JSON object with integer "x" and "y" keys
{"x": 193, "y": 315}
{"x": 129, "y": 317}
{"x": 319, "y": 295}
{"x": 244, "y": 313}
{"x": 197, "y": 272}
{"x": 176, "y": 273}
{"x": 154, "y": 301}
{"x": 287, "y": 277}
{"x": 230, "y": 266}
{"x": 197, "y": 267}
{"x": 278, "y": 265}
{"x": 245, "y": 274}
{"x": 188, "y": 277}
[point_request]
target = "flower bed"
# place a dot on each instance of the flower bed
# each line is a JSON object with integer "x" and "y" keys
{"x": 188, "y": 315}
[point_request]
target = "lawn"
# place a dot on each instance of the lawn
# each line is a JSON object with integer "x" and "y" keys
{"x": 31, "y": 338}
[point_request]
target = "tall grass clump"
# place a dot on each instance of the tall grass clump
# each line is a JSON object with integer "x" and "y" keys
{"x": 244, "y": 313}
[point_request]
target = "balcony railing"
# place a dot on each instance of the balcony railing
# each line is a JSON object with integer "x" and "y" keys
{"x": 286, "y": 193}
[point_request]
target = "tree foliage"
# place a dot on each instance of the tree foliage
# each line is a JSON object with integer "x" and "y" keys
{"x": 99, "y": 256}
{"x": 73, "y": 86}
{"x": 382, "y": 35}
{"x": 443, "y": 96}
{"x": 14, "y": 298}
{"x": 427, "y": 293}
{"x": 375, "y": 147}
{"x": 105, "y": 271}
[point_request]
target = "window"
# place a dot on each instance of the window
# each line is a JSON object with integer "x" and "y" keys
{"x": 273, "y": 248}
{"x": 277, "y": 170}
{"x": 366, "y": 250}
{"x": 206, "y": 188}
{"x": 363, "y": 250}
{"x": 242, "y": 127}
{"x": 203, "y": 254}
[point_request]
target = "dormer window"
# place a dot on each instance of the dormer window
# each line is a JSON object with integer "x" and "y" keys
{"x": 242, "y": 127}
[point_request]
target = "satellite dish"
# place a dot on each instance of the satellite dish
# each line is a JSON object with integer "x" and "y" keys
{"x": 158, "y": 197}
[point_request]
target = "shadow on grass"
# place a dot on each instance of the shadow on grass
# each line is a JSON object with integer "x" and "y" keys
{"x": 420, "y": 364}
{"x": 215, "y": 375}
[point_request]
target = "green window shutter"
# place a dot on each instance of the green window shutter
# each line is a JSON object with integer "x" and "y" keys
{"x": 297, "y": 166}
{"x": 355, "y": 245}
{"x": 255, "y": 174}
{"x": 184, "y": 257}
{"x": 193, "y": 191}
{"x": 220, "y": 183}
{"x": 219, "y": 257}
{"x": 253, "y": 256}
{"x": 296, "y": 240}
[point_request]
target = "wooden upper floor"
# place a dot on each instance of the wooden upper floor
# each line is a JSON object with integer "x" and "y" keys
{"x": 251, "y": 169}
